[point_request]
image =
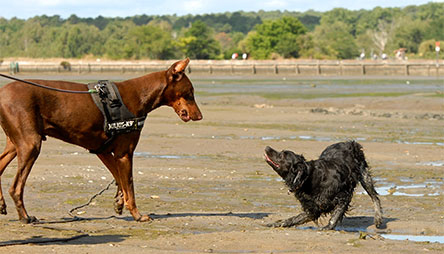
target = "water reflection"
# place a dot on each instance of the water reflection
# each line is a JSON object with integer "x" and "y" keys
{"x": 415, "y": 238}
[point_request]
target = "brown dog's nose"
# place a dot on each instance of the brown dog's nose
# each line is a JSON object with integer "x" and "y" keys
{"x": 198, "y": 117}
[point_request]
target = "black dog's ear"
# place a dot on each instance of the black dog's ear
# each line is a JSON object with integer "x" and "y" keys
{"x": 300, "y": 174}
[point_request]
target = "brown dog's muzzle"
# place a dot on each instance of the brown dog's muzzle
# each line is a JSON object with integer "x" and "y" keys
{"x": 187, "y": 110}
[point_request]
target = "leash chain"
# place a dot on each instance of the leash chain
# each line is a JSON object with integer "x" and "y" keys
{"x": 48, "y": 87}
{"x": 91, "y": 199}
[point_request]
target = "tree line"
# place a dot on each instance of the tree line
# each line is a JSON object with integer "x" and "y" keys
{"x": 335, "y": 34}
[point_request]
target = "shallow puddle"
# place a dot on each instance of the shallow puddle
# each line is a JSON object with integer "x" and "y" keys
{"x": 430, "y": 187}
{"x": 163, "y": 156}
{"x": 324, "y": 139}
{"x": 415, "y": 238}
{"x": 419, "y": 143}
{"x": 401, "y": 237}
{"x": 431, "y": 163}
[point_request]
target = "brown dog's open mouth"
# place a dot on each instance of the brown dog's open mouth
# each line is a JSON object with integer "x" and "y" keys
{"x": 271, "y": 161}
{"x": 183, "y": 114}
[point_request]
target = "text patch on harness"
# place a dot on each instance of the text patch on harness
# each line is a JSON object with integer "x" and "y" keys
{"x": 118, "y": 119}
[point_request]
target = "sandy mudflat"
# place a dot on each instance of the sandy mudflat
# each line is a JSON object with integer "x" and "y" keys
{"x": 209, "y": 189}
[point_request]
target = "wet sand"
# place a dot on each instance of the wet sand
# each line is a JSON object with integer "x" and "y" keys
{"x": 209, "y": 190}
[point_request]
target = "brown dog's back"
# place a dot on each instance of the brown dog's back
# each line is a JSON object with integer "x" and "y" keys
{"x": 29, "y": 113}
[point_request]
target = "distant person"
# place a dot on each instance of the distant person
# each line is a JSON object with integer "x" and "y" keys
{"x": 400, "y": 53}
{"x": 362, "y": 56}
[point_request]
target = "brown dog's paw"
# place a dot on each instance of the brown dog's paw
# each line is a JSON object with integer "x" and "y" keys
{"x": 3, "y": 209}
{"x": 118, "y": 208}
{"x": 144, "y": 218}
{"x": 30, "y": 219}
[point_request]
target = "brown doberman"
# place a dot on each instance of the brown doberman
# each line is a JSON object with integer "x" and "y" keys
{"x": 28, "y": 114}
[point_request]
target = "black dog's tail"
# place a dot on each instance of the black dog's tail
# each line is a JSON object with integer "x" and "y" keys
{"x": 367, "y": 181}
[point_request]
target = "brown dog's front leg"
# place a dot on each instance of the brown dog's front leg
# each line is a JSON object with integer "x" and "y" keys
{"x": 121, "y": 169}
{"x": 125, "y": 167}
{"x": 110, "y": 162}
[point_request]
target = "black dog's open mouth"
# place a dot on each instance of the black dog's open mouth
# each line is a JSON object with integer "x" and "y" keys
{"x": 271, "y": 161}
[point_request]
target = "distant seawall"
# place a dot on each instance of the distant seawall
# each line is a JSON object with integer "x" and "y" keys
{"x": 308, "y": 68}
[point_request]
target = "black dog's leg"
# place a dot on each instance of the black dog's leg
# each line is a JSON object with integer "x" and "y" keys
{"x": 367, "y": 184}
{"x": 290, "y": 222}
{"x": 336, "y": 216}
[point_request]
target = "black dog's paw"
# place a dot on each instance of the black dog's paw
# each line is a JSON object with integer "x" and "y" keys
{"x": 379, "y": 224}
{"x": 328, "y": 227}
{"x": 276, "y": 224}
{"x": 279, "y": 224}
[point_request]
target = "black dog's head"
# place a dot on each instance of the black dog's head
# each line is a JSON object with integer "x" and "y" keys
{"x": 290, "y": 166}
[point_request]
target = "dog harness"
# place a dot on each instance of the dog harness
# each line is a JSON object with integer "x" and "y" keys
{"x": 118, "y": 119}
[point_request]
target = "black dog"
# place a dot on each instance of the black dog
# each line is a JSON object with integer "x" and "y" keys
{"x": 324, "y": 185}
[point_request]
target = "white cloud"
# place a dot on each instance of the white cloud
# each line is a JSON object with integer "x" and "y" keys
{"x": 120, "y": 8}
{"x": 275, "y": 4}
{"x": 193, "y": 6}
{"x": 46, "y": 2}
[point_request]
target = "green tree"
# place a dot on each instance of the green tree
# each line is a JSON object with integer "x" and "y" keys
{"x": 150, "y": 41}
{"x": 11, "y": 38}
{"x": 435, "y": 29}
{"x": 430, "y": 11}
{"x": 115, "y": 35}
{"x": 372, "y": 20}
{"x": 198, "y": 42}
{"x": 243, "y": 23}
{"x": 229, "y": 43}
{"x": 334, "y": 41}
{"x": 280, "y": 36}
{"x": 427, "y": 49}
{"x": 339, "y": 33}
{"x": 341, "y": 15}
{"x": 408, "y": 35}
{"x": 79, "y": 40}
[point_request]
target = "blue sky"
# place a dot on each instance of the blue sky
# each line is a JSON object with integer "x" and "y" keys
{"x": 121, "y": 8}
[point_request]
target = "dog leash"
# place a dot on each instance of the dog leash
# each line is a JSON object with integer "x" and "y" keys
{"x": 48, "y": 87}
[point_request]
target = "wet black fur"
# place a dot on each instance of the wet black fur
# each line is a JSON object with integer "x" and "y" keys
{"x": 325, "y": 185}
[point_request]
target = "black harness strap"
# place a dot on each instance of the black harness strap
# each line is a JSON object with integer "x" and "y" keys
{"x": 118, "y": 119}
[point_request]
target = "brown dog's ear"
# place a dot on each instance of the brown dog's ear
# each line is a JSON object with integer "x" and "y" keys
{"x": 181, "y": 65}
{"x": 176, "y": 71}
